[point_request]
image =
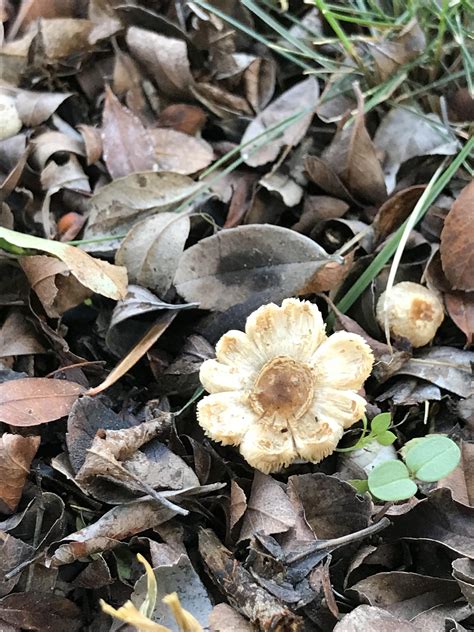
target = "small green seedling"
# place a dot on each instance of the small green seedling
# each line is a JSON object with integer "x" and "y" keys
{"x": 379, "y": 431}
{"x": 426, "y": 459}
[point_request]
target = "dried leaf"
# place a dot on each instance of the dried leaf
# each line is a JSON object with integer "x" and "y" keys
{"x": 18, "y": 337}
{"x": 166, "y": 59}
{"x": 16, "y": 455}
{"x": 36, "y": 400}
{"x": 447, "y": 367}
{"x": 460, "y": 306}
{"x": 152, "y": 249}
{"x": 461, "y": 480}
{"x": 395, "y": 210}
{"x": 99, "y": 276}
{"x": 127, "y": 145}
{"x": 299, "y": 97}
{"x": 373, "y": 619}
{"x": 407, "y": 132}
{"x": 390, "y": 54}
{"x": 117, "y": 524}
{"x": 457, "y": 254}
{"x": 35, "y": 108}
{"x": 231, "y": 266}
{"x": 224, "y": 618}
{"x": 39, "y": 611}
{"x": 189, "y": 119}
{"x": 269, "y": 510}
{"x": 92, "y": 140}
{"x": 116, "y": 207}
{"x": 13, "y": 552}
{"x": 55, "y": 287}
{"x": 49, "y": 143}
{"x": 353, "y": 158}
{"x": 180, "y": 153}
{"x": 135, "y": 354}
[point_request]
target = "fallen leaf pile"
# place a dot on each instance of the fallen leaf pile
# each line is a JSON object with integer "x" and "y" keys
{"x": 168, "y": 171}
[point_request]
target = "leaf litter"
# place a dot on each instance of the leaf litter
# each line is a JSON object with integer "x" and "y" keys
{"x": 165, "y": 170}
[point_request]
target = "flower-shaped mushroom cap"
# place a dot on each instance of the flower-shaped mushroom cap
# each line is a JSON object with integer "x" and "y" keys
{"x": 283, "y": 390}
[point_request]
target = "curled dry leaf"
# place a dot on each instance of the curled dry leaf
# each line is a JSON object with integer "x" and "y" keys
{"x": 35, "y": 108}
{"x": 116, "y": 207}
{"x": 303, "y": 95}
{"x": 92, "y": 140}
{"x": 127, "y": 145}
{"x": 49, "y": 143}
{"x": 99, "y": 276}
{"x": 457, "y": 238}
{"x": 180, "y": 153}
{"x": 36, "y": 400}
{"x": 53, "y": 283}
{"x": 395, "y": 210}
{"x": 231, "y": 266}
{"x": 16, "y": 455}
{"x": 152, "y": 249}
{"x": 166, "y": 59}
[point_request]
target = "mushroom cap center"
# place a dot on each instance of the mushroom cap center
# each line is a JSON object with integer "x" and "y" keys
{"x": 284, "y": 387}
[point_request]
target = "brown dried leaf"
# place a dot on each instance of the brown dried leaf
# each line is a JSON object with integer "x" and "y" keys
{"x": 220, "y": 101}
{"x": 461, "y": 480}
{"x": 92, "y": 139}
{"x": 457, "y": 253}
{"x": 61, "y": 37}
{"x": 18, "y": 336}
{"x": 40, "y": 611}
{"x": 352, "y": 156}
{"x": 460, "y": 306}
{"x": 231, "y": 266}
{"x": 36, "y": 400}
{"x": 317, "y": 208}
{"x": 189, "y": 119}
{"x": 326, "y": 178}
{"x": 166, "y": 59}
{"x": 299, "y": 97}
{"x": 389, "y": 55}
{"x": 16, "y": 455}
{"x": 127, "y": 145}
{"x": 180, "y": 153}
{"x": 152, "y": 249}
{"x": 372, "y": 619}
{"x": 395, "y": 210}
{"x": 53, "y": 283}
{"x": 224, "y": 618}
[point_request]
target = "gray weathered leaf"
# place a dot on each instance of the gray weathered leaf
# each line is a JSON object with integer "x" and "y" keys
{"x": 303, "y": 95}
{"x": 447, "y": 367}
{"x": 405, "y": 133}
{"x": 231, "y": 266}
{"x": 152, "y": 249}
{"x": 180, "y": 153}
{"x": 116, "y": 207}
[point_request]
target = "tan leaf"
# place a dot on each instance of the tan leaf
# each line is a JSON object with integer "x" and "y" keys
{"x": 36, "y": 400}
{"x": 457, "y": 238}
{"x": 92, "y": 142}
{"x": 127, "y": 145}
{"x": 180, "y": 153}
{"x": 55, "y": 287}
{"x": 36, "y": 107}
{"x": 189, "y": 119}
{"x": 461, "y": 480}
{"x": 18, "y": 336}
{"x": 99, "y": 276}
{"x": 16, "y": 454}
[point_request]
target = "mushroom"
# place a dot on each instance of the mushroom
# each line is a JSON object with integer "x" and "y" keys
{"x": 411, "y": 311}
{"x": 10, "y": 122}
{"x": 283, "y": 390}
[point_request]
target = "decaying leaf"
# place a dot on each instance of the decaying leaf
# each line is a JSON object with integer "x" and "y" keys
{"x": 180, "y": 153}
{"x": 231, "y": 266}
{"x": 127, "y": 145}
{"x": 39, "y": 611}
{"x": 18, "y": 336}
{"x": 372, "y": 618}
{"x": 303, "y": 95}
{"x": 16, "y": 454}
{"x": 457, "y": 253}
{"x": 460, "y": 307}
{"x": 152, "y": 249}
{"x": 99, "y": 276}
{"x": 36, "y": 400}
{"x": 116, "y": 207}
{"x": 36, "y": 107}
{"x": 407, "y": 132}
